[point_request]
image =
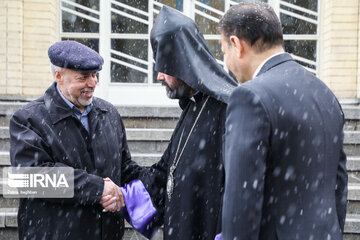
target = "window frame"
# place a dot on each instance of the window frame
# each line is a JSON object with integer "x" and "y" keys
{"x": 106, "y": 88}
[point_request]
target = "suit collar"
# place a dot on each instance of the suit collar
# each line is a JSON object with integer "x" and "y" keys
{"x": 59, "y": 110}
{"x": 274, "y": 61}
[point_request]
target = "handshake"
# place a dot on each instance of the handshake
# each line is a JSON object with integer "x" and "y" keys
{"x": 112, "y": 198}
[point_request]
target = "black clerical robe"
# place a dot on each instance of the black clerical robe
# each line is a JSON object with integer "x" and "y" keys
{"x": 194, "y": 209}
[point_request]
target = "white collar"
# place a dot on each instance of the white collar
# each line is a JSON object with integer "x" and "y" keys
{"x": 262, "y": 64}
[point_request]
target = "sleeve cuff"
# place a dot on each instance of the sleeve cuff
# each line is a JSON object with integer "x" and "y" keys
{"x": 140, "y": 212}
{"x": 218, "y": 237}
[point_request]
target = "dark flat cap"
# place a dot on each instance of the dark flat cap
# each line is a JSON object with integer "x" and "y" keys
{"x": 75, "y": 56}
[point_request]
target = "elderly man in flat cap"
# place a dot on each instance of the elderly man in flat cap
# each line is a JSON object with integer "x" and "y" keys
{"x": 70, "y": 127}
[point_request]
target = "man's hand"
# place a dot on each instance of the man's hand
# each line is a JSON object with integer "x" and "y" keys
{"x": 112, "y": 199}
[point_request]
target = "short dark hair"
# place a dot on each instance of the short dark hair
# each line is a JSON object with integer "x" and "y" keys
{"x": 254, "y": 22}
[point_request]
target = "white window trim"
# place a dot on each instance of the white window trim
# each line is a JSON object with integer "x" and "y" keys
{"x": 151, "y": 93}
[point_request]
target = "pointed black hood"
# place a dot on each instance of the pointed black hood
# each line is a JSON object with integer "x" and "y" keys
{"x": 180, "y": 50}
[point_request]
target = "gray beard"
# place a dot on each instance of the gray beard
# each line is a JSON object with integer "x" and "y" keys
{"x": 85, "y": 103}
{"x": 180, "y": 93}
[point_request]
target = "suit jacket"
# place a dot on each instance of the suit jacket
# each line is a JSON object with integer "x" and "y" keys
{"x": 284, "y": 161}
{"x": 46, "y": 133}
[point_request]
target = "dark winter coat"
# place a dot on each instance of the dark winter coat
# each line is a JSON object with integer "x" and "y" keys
{"x": 284, "y": 161}
{"x": 46, "y": 132}
{"x": 194, "y": 211}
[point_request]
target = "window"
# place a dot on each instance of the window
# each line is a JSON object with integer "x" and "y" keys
{"x": 299, "y": 19}
{"x": 119, "y": 30}
{"x": 80, "y": 21}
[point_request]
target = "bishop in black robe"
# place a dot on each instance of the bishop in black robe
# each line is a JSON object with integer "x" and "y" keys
{"x": 189, "y": 203}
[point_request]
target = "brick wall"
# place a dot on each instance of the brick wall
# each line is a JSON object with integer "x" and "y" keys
{"x": 11, "y": 47}
{"x": 3, "y": 16}
{"x": 339, "y": 47}
{"x": 358, "y": 51}
{"x": 27, "y": 29}
{"x": 40, "y": 28}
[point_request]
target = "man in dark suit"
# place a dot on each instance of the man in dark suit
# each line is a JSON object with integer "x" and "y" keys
{"x": 284, "y": 161}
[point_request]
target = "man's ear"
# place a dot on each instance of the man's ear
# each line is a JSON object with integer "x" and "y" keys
{"x": 240, "y": 45}
{"x": 58, "y": 77}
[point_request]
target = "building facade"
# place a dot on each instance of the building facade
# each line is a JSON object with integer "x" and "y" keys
{"x": 322, "y": 35}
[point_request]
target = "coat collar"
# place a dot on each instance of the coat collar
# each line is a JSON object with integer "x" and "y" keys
{"x": 197, "y": 99}
{"x": 59, "y": 110}
{"x": 274, "y": 61}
